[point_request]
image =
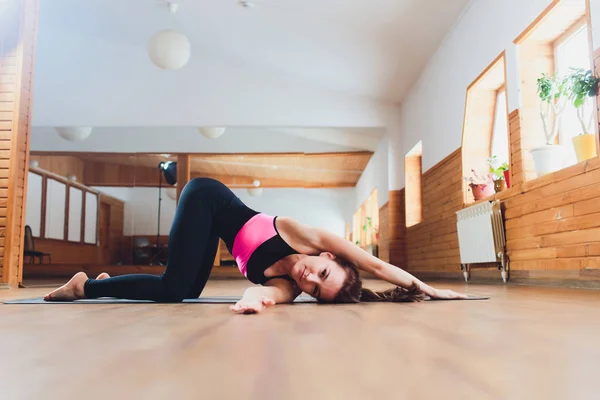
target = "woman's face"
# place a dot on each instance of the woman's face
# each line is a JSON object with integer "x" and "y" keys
{"x": 319, "y": 276}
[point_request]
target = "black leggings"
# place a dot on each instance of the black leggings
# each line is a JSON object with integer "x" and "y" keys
{"x": 207, "y": 210}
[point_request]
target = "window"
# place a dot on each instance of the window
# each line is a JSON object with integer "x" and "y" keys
{"x": 485, "y": 129}
{"x": 91, "y": 217}
{"x": 55, "y": 214}
{"x": 500, "y": 131}
{"x": 75, "y": 208}
{"x": 60, "y": 209}
{"x": 572, "y": 51}
{"x": 413, "y": 169}
{"x": 33, "y": 216}
{"x": 557, "y": 40}
{"x": 366, "y": 221}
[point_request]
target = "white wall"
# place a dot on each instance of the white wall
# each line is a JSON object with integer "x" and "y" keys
{"x": 433, "y": 111}
{"x": 323, "y": 208}
{"x": 374, "y": 176}
{"x": 174, "y": 140}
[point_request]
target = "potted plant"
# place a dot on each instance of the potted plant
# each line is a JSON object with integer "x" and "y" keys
{"x": 481, "y": 186}
{"x": 582, "y": 86}
{"x": 553, "y": 95}
{"x": 498, "y": 171}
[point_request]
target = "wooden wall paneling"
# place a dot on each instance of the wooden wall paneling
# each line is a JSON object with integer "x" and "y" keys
{"x": 183, "y": 172}
{"x": 384, "y": 232}
{"x": 17, "y": 55}
{"x": 432, "y": 245}
{"x": 397, "y": 228}
{"x": 516, "y": 155}
{"x": 64, "y": 252}
{"x": 115, "y": 228}
{"x": 292, "y": 169}
{"x": 65, "y": 166}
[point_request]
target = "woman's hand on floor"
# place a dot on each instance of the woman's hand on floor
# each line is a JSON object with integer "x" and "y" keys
{"x": 254, "y": 306}
{"x": 444, "y": 294}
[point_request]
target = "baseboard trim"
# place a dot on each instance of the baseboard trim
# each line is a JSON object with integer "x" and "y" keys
{"x": 578, "y": 279}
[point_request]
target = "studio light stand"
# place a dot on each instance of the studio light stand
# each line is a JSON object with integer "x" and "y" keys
{"x": 167, "y": 169}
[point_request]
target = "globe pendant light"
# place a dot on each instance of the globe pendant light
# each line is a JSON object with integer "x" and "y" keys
{"x": 74, "y": 133}
{"x": 169, "y": 49}
{"x": 211, "y": 132}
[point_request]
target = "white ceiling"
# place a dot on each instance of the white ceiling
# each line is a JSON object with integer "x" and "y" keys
{"x": 302, "y": 64}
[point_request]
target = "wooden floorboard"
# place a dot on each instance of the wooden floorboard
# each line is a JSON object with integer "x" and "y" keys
{"x": 529, "y": 343}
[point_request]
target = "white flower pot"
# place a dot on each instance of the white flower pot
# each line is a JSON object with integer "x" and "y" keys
{"x": 549, "y": 158}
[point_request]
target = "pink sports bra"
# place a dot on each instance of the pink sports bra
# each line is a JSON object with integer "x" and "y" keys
{"x": 257, "y": 246}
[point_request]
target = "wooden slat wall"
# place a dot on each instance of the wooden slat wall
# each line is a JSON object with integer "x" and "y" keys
{"x": 61, "y": 165}
{"x": 384, "y": 232}
{"x": 397, "y": 242}
{"x": 17, "y": 50}
{"x": 516, "y": 155}
{"x": 552, "y": 223}
{"x": 117, "y": 222}
{"x": 432, "y": 245}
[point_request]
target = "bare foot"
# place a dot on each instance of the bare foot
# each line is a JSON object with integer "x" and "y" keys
{"x": 103, "y": 275}
{"x": 70, "y": 291}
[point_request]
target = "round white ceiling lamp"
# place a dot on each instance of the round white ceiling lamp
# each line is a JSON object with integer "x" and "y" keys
{"x": 256, "y": 190}
{"x": 211, "y": 132}
{"x": 74, "y": 133}
{"x": 169, "y": 49}
{"x": 172, "y": 193}
{"x": 34, "y": 163}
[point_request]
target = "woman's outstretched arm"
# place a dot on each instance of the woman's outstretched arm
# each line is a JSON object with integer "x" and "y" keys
{"x": 327, "y": 241}
{"x": 257, "y": 298}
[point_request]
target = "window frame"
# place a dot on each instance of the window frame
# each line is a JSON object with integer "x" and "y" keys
{"x": 537, "y": 45}
{"x": 501, "y": 89}
{"x": 480, "y": 85}
{"x": 45, "y": 175}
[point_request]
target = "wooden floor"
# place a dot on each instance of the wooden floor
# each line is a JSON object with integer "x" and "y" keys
{"x": 524, "y": 343}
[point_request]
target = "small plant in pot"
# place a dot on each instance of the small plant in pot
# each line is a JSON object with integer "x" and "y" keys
{"x": 552, "y": 91}
{"x": 583, "y": 85}
{"x": 482, "y": 186}
{"x": 498, "y": 172}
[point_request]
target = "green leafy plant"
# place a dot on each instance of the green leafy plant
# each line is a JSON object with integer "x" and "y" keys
{"x": 553, "y": 91}
{"x": 497, "y": 168}
{"x": 582, "y": 85}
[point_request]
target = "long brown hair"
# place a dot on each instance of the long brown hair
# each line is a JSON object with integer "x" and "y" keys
{"x": 353, "y": 292}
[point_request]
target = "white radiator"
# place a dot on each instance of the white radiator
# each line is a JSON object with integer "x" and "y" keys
{"x": 481, "y": 237}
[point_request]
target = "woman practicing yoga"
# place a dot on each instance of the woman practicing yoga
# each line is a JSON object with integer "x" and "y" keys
{"x": 284, "y": 256}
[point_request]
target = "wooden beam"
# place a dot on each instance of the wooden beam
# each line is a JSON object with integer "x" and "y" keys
{"x": 103, "y": 174}
{"x": 183, "y": 172}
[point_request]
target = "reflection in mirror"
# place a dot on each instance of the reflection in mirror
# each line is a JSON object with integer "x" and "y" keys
{"x": 55, "y": 209}
{"x": 33, "y": 217}
{"x": 75, "y": 208}
{"x": 91, "y": 217}
{"x": 106, "y": 204}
